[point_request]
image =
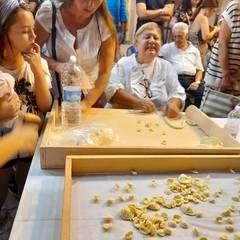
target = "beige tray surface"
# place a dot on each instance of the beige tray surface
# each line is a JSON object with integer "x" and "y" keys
{"x": 125, "y": 124}
{"x": 120, "y": 164}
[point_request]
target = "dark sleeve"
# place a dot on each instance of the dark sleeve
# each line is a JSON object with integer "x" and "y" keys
{"x": 168, "y": 2}
{"x": 140, "y": 1}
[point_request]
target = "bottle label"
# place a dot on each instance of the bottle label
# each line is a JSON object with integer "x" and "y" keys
{"x": 71, "y": 94}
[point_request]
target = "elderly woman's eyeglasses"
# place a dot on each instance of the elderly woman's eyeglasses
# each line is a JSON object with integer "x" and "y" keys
{"x": 146, "y": 84}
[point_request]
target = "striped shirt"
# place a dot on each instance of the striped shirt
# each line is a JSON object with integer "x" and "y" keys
{"x": 214, "y": 73}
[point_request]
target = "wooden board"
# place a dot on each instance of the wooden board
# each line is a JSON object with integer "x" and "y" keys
{"x": 145, "y": 164}
{"x": 139, "y": 134}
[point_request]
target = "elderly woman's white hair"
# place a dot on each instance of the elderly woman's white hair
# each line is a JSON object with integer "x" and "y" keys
{"x": 180, "y": 26}
{"x": 147, "y": 26}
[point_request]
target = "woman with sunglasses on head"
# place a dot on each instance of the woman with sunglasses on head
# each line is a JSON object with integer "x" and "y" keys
{"x": 84, "y": 28}
{"x": 143, "y": 81}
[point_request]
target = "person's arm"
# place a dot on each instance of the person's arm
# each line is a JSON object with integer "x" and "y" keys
{"x": 10, "y": 144}
{"x": 121, "y": 36}
{"x": 42, "y": 93}
{"x": 41, "y": 38}
{"x": 198, "y": 78}
{"x": 176, "y": 94}
{"x": 123, "y": 98}
{"x": 173, "y": 21}
{"x": 173, "y": 108}
{"x": 157, "y": 15}
{"x": 107, "y": 53}
{"x": 206, "y": 33}
{"x": 224, "y": 38}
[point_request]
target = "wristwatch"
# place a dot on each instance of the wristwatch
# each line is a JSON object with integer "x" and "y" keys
{"x": 198, "y": 82}
{"x": 160, "y": 12}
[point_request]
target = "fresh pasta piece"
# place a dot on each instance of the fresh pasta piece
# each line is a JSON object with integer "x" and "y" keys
{"x": 117, "y": 186}
{"x": 168, "y": 231}
{"x": 236, "y": 198}
{"x": 196, "y": 232}
{"x": 161, "y": 233}
{"x": 219, "y": 219}
{"x": 198, "y": 214}
{"x": 226, "y": 213}
{"x": 186, "y": 209}
{"x": 107, "y": 226}
{"x": 120, "y": 197}
{"x": 177, "y": 218}
{"x": 110, "y": 201}
{"x": 172, "y": 224}
{"x": 96, "y": 198}
{"x": 236, "y": 236}
{"x": 108, "y": 218}
{"x": 229, "y": 228}
{"x": 130, "y": 197}
{"x": 129, "y": 235}
{"x": 184, "y": 224}
{"x": 134, "y": 172}
{"x": 126, "y": 214}
{"x": 154, "y": 182}
{"x": 224, "y": 237}
{"x": 232, "y": 208}
{"x": 153, "y": 206}
{"x": 229, "y": 220}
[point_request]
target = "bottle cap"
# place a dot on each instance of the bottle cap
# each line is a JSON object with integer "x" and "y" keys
{"x": 73, "y": 59}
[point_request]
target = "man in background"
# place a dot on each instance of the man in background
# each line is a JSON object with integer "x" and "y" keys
{"x": 186, "y": 61}
{"x": 158, "y": 11}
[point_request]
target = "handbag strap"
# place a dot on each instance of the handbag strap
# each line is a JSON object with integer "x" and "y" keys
{"x": 54, "y": 54}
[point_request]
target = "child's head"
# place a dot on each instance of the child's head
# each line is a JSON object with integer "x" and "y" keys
{"x": 16, "y": 27}
{"x": 6, "y": 86}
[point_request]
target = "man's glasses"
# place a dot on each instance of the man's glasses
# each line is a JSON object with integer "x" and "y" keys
{"x": 146, "y": 84}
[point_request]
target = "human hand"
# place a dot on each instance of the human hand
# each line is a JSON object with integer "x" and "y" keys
{"x": 10, "y": 107}
{"x": 33, "y": 56}
{"x": 145, "y": 105}
{"x": 31, "y": 118}
{"x": 228, "y": 82}
{"x": 216, "y": 29}
{"x": 193, "y": 86}
{"x": 172, "y": 110}
{"x": 28, "y": 133}
{"x": 121, "y": 37}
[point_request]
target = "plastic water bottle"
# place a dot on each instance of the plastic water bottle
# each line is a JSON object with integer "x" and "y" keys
{"x": 71, "y": 84}
{"x": 233, "y": 122}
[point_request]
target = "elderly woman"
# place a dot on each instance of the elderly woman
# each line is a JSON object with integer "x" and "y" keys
{"x": 143, "y": 81}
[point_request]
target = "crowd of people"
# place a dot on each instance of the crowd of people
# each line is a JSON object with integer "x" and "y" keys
{"x": 155, "y": 76}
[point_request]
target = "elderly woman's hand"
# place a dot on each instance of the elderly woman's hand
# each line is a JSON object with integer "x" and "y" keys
{"x": 173, "y": 108}
{"x": 145, "y": 105}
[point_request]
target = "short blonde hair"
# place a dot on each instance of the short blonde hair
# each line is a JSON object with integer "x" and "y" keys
{"x": 147, "y": 26}
{"x": 180, "y": 26}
